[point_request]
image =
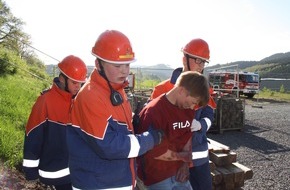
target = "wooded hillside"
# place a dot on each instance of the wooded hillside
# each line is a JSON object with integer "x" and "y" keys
{"x": 274, "y": 66}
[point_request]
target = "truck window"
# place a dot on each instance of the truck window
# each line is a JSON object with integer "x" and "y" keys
{"x": 252, "y": 78}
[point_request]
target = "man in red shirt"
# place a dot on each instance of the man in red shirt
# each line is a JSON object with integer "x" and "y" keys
{"x": 196, "y": 55}
{"x": 172, "y": 113}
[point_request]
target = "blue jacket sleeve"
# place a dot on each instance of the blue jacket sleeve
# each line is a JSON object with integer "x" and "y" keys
{"x": 119, "y": 143}
{"x": 205, "y": 116}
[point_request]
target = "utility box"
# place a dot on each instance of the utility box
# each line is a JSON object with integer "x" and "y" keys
{"x": 229, "y": 114}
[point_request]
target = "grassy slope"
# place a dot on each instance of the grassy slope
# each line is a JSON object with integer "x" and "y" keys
{"x": 17, "y": 95}
{"x": 274, "y": 95}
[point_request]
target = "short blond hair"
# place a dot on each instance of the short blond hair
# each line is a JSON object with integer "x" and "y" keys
{"x": 196, "y": 84}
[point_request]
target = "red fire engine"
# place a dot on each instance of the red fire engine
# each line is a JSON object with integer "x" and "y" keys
{"x": 235, "y": 82}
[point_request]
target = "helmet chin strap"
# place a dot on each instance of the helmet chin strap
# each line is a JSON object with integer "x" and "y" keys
{"x": 65, "y": 82}
{"x": 187, "y": 61}
{"x": 116, "y": 98}
{"x": 102, "y": 71}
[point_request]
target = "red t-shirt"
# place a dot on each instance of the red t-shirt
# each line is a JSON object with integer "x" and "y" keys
{"x": 175, "y": 122}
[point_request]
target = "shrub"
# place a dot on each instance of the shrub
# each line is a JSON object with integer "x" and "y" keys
{"x": 282, "y": 89}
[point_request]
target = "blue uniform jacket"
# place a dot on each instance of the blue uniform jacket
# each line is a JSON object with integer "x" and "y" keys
{"x": 45, "y": 153}
{"x": 102, "y": 146}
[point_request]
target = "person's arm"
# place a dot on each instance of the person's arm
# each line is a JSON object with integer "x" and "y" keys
{"x": 182, "y": 173}
{"x": 206, "y": 118}
{"x": 119, "y": 143}
{"x": 203, "y": 119}
{"x": 170, "y": 155}
{"x": 161, "y": 88}
{"x": 202, "y": 122}
{"x": 108, "y": 137}
{"x": 184, "y": 155}
{"x": 157, "y": 91}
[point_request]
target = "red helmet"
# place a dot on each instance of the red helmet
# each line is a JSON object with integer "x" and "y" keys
{"x": 74, "y": 68}
{"x": 197, "y": 48}
{"x": 113, "y": 46}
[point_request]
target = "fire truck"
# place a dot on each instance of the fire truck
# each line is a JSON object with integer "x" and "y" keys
{"x": 235, "y": 82}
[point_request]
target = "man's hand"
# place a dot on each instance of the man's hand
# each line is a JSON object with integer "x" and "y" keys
{"x": 170, "y": 155}
{"x": 182, "y": 174}
{"x": 185, "y": 156}
{"x": 195, "y": 125}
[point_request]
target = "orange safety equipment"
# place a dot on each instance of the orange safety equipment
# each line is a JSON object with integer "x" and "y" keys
{"x": 113, "y": 46}
{"x": 197, "y": 48}
{"x": 74, "y": 68}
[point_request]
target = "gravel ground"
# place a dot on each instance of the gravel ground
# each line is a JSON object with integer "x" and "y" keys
{"x": 263, "y": 146}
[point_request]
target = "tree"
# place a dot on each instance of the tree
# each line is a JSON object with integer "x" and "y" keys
{"x": 13, "y": 39}
{"x": 11, "y": 35}
{"x": 5, "y": 67}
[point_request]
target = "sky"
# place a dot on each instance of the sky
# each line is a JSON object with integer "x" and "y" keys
{"x": 240, "y": 30}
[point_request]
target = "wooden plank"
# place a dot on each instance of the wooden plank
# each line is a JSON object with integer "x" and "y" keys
{"x": 232, "y": 156}
{"x": 229, "y": 186}
{"x": 219, "y": 159}
{"x": 217, "y": 147}
{"x": 216, "y": 177}
{"x": 222, "y": 159}
{"x": 248, "y": 172}
{"x": 218, "y": 187}
{"x": 212, "y": 165}
{"x": 228, "y": 177}
{"x": 238, "y": 185}
{"x": 239, "y": 174}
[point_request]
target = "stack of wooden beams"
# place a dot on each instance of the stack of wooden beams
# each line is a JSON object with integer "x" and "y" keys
{"x": 226, "y": 172}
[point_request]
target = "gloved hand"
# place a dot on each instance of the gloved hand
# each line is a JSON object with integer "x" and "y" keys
{"x": 157, "y": 134}
{"x": 195, "y": 125}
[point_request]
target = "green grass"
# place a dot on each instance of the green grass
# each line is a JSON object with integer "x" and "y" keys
{"x": 17, "y": 96}
{"x": 274, "y": 95}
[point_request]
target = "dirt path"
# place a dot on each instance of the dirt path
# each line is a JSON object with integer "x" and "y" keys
{"x": 10, "y": 179}
{"x": 15, "y": 180}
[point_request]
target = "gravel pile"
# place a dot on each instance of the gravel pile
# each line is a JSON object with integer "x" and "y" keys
{"x": 263, "y": 145}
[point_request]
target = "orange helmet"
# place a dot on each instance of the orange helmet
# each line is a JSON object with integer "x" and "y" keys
{"x": 74, "y": 68}
{"x": 197, "y": 48}
{"x": 113, "y": 46}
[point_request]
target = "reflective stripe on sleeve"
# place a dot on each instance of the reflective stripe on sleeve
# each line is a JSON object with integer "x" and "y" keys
{"x": 200, "y": 154}
{"x": 30, "y": 163}
{"x": 135, "y": 146}
{"x": 208, "y": 122}
{"x": 54, "y": 175}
